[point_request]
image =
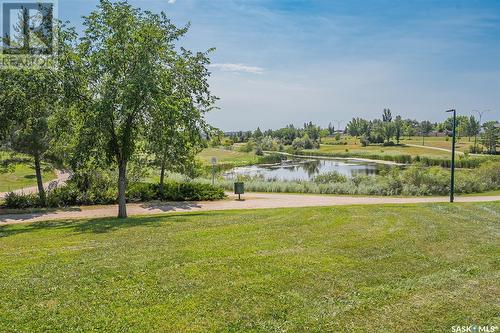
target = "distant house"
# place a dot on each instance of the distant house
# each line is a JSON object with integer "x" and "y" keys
{"x": 438, "y": 134}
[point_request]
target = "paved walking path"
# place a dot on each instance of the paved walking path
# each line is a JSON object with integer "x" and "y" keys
{"x": 444, "y": 149}
{"x": 61, "y": 178}
{"x": 252, "y": 201}
{"x": 435, "y": 148}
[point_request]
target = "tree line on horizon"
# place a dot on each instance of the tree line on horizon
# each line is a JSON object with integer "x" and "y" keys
{"x": 380, "y": 131}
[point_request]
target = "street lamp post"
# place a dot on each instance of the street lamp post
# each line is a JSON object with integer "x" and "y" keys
{"x": 452, "y": 181}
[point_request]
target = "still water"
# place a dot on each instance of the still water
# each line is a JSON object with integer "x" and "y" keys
{"x": 306, "y": 169}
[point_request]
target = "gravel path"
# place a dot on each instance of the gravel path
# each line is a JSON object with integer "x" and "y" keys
{"x": 251, "y": 201}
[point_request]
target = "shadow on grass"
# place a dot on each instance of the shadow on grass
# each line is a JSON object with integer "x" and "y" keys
{"x": 104, "y": 225}
{"x": 169, "y": 206}
{"x": 21, "y": 215}
{"x": 95, "y": 226}
{"x": 25, "y": 215}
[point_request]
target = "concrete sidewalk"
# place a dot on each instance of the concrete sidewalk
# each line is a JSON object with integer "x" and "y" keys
{"x": 252, "y": 201}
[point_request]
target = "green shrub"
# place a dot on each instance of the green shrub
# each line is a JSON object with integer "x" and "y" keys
{"x": 175, "y": 191}
{"x": 259, "y": 151}
{"x": 21, "y": 201}
{"x": 330, "y": 177}
{"x": 70, "y": 195}
{"x": 271, "y": 159}
{"x": 364, "y": 141}
{"x": 141, "y": 192}
{"x": 192, "y": 191}
{"x": 247, "y": 147}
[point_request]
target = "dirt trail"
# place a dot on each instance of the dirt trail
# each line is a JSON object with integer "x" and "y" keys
{"x": 252, "y": 201}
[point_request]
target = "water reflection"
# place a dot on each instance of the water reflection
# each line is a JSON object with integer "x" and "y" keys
{"x": 300, "y": 169}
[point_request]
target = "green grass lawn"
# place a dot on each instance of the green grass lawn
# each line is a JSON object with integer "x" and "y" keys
{"x": 354, "y": 146}
{"x": 381, "y": 150}
{"x": 225, "y": 156}
{"x": 22, "y": 175}
{"x": 406, "y": 268}
{"x": 462, "y": 144}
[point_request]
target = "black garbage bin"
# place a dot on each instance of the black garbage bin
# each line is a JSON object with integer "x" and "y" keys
{"x": 239, "y": 188}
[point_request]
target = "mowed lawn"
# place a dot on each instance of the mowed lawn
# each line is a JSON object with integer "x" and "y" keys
{"x": 21, "y": 175}
{"x": 354, "y": 146}
{"x": 407, "y": 268}
{"x": 440, "y": 142}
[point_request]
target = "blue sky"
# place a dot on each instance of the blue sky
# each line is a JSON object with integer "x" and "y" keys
{"x": 281, "y": 62}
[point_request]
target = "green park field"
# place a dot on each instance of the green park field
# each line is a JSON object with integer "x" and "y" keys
{"x": 418, "y": 268}
{"x": 20, "y": 174}
{"x": 381, "y": 150}
{"x": 225, "y": 156}
{"x": 353, "y": 145}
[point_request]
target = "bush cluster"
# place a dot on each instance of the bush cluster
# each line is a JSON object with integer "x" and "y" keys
{"x": 72, "y": 195}
{"x": 330, "y": 177}
{"x": 21, "y": 201}
{"x": 271, "y": 159}
{"x": 175, "y": 191}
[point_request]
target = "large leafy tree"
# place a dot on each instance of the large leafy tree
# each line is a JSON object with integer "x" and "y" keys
{"x": 358, "y": 127}
{"x": 491, "y": 136}
{"x": 398, "y": 128}
{"x": 178, "y": 132}
{"x": 387, "y": 115}
{"x": 425, "y": 129}
{"x": 410, "y": 127}
{"x": 473, "y": 128}
{"x": 28, "y": 99}
{"x": 387, "y": 128}
{"x": 461, "y": 125}
{"x": 124, "y": 66}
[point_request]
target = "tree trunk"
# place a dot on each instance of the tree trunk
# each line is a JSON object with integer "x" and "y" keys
{"x": 162, "y": 171}
{"x": 39, "y": 180}
{"x": 122, "y": 186}
{"x": 162, "y": 175}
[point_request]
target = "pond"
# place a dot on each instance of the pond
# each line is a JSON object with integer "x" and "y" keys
{"x": 307, "y": 169}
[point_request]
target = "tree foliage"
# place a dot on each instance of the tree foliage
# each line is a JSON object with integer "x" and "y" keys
{"x": 28, "y": 99}
{"x": 134, "y": 86}
{"x": 491, "y": 136}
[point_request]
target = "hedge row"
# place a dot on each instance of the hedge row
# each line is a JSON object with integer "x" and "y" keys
{"x": 71, "y": 195}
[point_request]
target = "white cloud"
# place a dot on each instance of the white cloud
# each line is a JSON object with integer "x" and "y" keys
{"x": 240, "y": 68}
{"x": 172, "y": 1}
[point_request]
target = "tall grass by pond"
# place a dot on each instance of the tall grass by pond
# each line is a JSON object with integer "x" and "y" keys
{"x": 417, "y": 179}
{"x": 273, "y": 158}
{"x": 460, "y": 162}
